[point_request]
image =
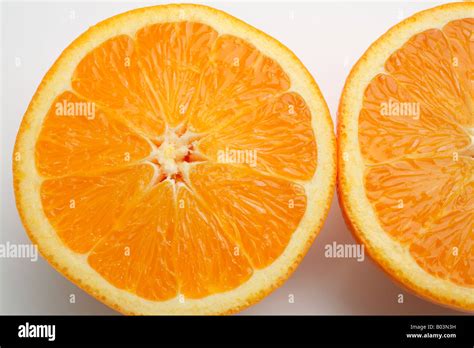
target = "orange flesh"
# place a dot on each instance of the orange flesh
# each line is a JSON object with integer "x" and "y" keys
{"x": 419, "y": 165}
{"x": 148, "y": 188}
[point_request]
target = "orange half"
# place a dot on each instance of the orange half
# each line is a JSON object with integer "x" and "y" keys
{"x": 406, "y": 148}
{"x": 175, "y": 160}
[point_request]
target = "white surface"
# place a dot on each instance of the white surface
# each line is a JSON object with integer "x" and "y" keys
{"x": 328, "y": 37}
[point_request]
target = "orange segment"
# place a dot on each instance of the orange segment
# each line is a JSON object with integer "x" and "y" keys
{"x": 405, "y": 194}
{"x": 447, "y": 249}
{"x": 277, "y": 132}
{"x": 393, "y": 125}
{"x": 207, "y": 261}
{"x": 173, "y": 56}
{"x": 137, "y": 255}
{"x": 238, "y": 79}
{"x": 74, "y": 140}
{"x": 461, "y": 42}
{"x": 424, "y": 67}
{"x": 83, "y": 209}
{"x": 110, "y": 76}
{"x": 265, "y": 211}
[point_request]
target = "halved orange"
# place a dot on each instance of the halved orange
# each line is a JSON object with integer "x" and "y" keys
{"x": 406, "y": 168}
{"x": 175, "y": 160}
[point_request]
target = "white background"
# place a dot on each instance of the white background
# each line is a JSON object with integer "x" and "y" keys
{"x": 328, "y": 37}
